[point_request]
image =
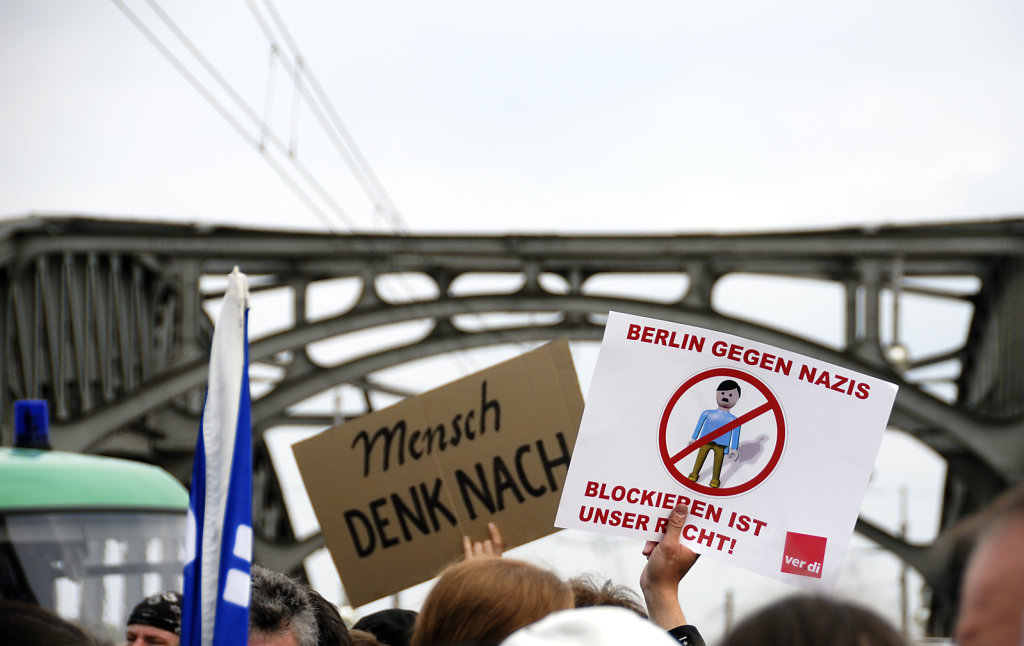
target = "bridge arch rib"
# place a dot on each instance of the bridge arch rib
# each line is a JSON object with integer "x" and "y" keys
{"x": 108, "y": 320}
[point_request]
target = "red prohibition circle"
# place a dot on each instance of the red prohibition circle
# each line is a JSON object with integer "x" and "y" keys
{"x": 773, "y": 406}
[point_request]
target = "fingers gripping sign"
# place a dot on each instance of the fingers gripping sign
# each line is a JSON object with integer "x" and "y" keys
{"x": 668, "y": 562}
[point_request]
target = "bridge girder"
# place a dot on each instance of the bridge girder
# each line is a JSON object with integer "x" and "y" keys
{"x": 106, "y": 320}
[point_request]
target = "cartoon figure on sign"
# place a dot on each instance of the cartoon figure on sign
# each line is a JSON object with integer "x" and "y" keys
{"x": 727, "y": 394}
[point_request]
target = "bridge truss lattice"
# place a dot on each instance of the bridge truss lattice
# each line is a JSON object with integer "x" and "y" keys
{"x": 109, "y": 321}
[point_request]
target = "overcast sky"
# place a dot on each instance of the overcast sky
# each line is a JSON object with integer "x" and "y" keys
{"x": 545, "y": 116}
{"x": 528, "y": 115}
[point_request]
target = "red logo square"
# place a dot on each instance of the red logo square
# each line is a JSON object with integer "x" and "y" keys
{"x": 804, "y": 554}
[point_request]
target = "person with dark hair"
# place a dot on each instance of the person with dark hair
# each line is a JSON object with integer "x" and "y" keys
{"x": 391, "y": 627}
{"x": 331, "y": 629}
{"x": 727, "y": 394}
{"x": 991, "y": 611}
{"x": 483, "y": 600}
{"x": 27, "y": 624}
{"x": 155, "y": 621}
{"x": 588, "y": 592}
{"x": 805, "y": 620}
{"x": 281, "y": 611}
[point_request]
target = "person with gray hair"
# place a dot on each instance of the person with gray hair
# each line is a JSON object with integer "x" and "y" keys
{"x": 281, "y": 611}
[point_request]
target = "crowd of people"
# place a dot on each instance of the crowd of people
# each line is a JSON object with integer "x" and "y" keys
{"x": 486, "y": 599}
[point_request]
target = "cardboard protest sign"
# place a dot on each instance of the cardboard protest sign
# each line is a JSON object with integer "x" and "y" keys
{"x": 770, "y": 450}
{"x": 395, "y": 490}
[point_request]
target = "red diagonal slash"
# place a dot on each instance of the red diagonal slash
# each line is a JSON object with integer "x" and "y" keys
{"x": 719, "y": 432}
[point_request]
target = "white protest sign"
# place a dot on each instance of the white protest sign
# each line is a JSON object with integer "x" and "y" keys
{"x": 771, "y": 450}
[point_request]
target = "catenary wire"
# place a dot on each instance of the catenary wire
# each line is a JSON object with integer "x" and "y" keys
{"x": 249, "y": 112}
{"x": 332, "y": 124}
{"x": 330, "y": 120}
{"x": 233, "y": 120}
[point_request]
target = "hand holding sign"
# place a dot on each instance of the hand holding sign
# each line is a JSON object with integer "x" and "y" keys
{"x": 668, "y": 562}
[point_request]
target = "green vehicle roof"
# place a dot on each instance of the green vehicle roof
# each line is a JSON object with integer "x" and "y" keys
{"x": 32, "y": 480}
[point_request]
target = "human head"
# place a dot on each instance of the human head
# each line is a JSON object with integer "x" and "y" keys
{"x": 392, "y": 627}
{"x": 483, "y": 600}
{"x": 992, "y": 590}
{"x": 587, "y": 592}
{"x": 805, "y": 620}
{"x": 727, "y": 393}
{"x": 331, "y": 629}
{"x": 155, "y": 621}
{"x": 281, "y": 612}
{"x": 27, "y": 624}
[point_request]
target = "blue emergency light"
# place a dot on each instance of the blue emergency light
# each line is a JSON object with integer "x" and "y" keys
{"x": 31, "y": 424}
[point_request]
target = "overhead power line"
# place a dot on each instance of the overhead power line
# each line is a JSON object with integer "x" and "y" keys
{"x": 306, "y": 88}
{"x": 327, "y": 116}
{"x": 258, "y": 142}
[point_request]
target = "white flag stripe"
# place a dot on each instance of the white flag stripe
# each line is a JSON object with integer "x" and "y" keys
{"x": 236, "y": 588}
{"x": 243, "y": 542}
{"x": 219, "y": 421}
{"x": 190, "y": 537}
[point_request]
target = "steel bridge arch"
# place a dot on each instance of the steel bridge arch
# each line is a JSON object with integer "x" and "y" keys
{"x": 913, "y": 413}
{"x": 105, "y": 319}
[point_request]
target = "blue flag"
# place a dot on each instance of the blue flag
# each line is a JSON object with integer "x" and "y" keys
{"x": 218, "y": 549}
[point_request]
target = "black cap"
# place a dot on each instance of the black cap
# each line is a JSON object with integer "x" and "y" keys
{"x": 161, "y": 610}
